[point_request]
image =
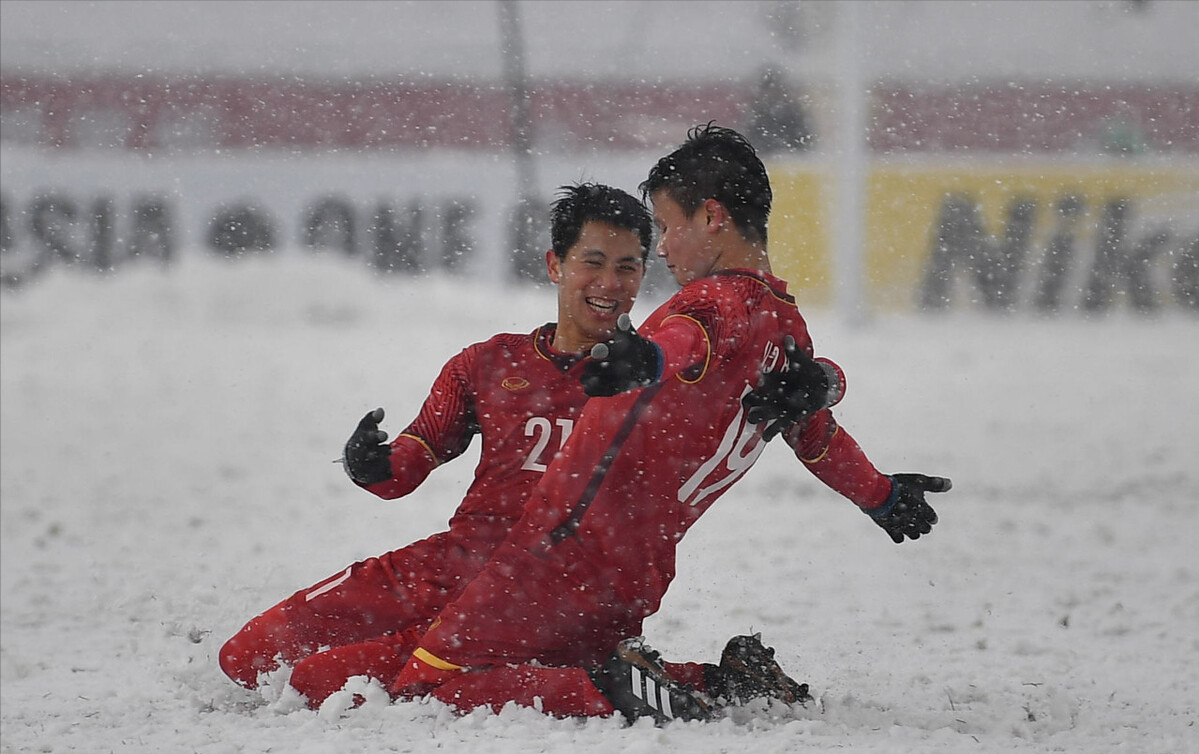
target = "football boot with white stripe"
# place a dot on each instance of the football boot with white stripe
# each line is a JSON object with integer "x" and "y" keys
{"x": 637, "y": 685}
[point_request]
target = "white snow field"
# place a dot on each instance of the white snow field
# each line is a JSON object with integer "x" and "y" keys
{"x": 166, "y": 475}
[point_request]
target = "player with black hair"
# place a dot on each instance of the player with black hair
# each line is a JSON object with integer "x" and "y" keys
{"x": 521, "y": 394}
{"x": 669, "y": 429}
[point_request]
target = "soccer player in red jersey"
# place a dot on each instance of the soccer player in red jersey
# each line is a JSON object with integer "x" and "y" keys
{"x": 670, "y": 430}
{"x": 521, "y": 393}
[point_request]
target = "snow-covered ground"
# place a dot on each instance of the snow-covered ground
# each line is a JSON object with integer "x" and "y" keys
{"x": 166, "y": 475}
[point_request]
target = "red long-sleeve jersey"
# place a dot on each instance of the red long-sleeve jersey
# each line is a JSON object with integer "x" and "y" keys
{"x": 523, "y": 398}
{"x": 514, "y": 390}
{"x": 595, "y": 550}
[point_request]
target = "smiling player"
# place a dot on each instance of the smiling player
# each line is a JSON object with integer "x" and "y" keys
{"x": 522, "y": 394}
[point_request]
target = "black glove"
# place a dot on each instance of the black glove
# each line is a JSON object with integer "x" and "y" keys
{"x": 906, "y": 513}
{"x": 623, "y": 362}
{"x": 367, "y": 456}
{"x": 791, "y": 394}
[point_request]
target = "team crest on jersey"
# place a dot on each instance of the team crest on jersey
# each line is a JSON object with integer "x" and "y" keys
{"x": 515, "y": 383}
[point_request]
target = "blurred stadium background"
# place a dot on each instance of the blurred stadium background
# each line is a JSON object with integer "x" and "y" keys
{"x": 1022, "y": 156}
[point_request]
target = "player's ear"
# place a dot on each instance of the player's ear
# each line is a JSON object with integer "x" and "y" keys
{"x": 715, "y": 214}
{"x": 553, "y": 266}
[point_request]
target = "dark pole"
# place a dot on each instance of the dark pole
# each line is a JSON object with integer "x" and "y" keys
{"x": 523, "y": 229}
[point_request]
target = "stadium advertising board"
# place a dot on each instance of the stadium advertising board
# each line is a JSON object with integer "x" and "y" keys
{"x": 1041, "y": 236}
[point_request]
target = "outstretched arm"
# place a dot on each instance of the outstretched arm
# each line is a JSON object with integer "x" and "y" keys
{"x": 387, "y": 470}
{"x": 794, "y": 400}
{"x": 441, "y": 431}
{"x": 895, "y": 502}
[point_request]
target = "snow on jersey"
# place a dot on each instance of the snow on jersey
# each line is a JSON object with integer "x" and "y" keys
{"x": 594, "y": 552}
{"x": 646, "y": 464}
{"x": 514, "y": 390}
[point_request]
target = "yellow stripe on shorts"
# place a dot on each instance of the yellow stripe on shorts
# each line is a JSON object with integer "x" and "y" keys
{"x": 433, "y": 660}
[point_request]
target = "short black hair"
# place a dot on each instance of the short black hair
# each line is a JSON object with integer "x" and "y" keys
{"x": 716, "y": 163}
{"x": 581, "y": 203}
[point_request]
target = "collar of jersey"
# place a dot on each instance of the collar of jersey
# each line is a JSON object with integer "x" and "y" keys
{"x": 777, "y": 286}
{"x": 543, "y": 343}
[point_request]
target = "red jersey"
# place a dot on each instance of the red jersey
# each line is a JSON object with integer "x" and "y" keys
{"x": 523, "y": 398}
{"x": 662, "y": 455}
{"x": 595, "y": 551}
{"x": 516, "y": 391}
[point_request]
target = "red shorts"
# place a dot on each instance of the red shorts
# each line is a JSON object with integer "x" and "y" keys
{"x": 552, "y": 609}
{"x": 400, "y": 591}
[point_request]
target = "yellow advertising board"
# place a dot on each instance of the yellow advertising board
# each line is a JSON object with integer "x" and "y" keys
{"x": 801, "y": 232}
{"x": 1003, "y": 234}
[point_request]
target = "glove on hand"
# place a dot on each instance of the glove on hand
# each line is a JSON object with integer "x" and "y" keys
{"x": 367, "y": 456}
{"x": 789, "y": 395}
{"x": 906, "y": 513}
{"x": 623, "y": 362}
